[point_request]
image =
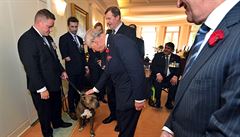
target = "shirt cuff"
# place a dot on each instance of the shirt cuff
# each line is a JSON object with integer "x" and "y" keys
{"x": 139, "y": 101}
{"x": 41, "y": 90}
{"x": 168, "y": 130}
{"x": 95, "y": 90}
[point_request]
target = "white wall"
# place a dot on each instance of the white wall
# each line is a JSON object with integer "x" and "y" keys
{"x": 16, "y": 107}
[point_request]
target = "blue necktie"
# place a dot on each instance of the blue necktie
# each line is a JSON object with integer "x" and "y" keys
{"x": 196, "y": 46}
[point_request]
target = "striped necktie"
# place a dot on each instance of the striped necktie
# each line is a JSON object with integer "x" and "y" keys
{"x": 196, "y": 46}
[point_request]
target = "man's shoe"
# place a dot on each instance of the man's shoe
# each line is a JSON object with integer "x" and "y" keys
{"x": 63, "y": 125}
{"x": 104, "y": 100}
{"x": 73, "y": 116}
{"x": 117, "y": 129}
{"x": 169, "y": 106}
{"x": 108, "y": 120}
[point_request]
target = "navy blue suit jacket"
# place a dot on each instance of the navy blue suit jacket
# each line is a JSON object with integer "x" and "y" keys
{"x": 41, "y": 65}
{"x": 125, "y": 67}
{"x": 68, "y": 48}
{"x": 208, "y": 97}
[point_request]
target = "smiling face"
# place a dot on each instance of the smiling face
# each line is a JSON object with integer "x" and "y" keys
{"x": 198, "y": 10}
{"x": 111, "y": 20}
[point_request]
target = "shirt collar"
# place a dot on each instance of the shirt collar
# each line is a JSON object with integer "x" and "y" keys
{"x": 117, "y": 28}
{"x": 214, "y": 19}
{"x": 38, "y": 31}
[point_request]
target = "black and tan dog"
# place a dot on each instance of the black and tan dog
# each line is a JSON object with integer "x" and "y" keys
{"x": 86, "y": 111}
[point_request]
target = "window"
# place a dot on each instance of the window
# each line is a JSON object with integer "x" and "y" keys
{"x": 172, "y": 35}
{"x": 149, "y": 37}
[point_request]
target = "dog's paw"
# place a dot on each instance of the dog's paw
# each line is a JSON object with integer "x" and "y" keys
{"x": 92, "y": 135}
{"x": 80, "y": 129}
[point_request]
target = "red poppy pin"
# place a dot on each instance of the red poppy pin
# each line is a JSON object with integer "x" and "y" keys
{"x": 107, "y": 50}
{"x": 215, "y": 37}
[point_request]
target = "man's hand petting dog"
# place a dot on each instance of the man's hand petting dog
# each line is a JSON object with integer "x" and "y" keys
{"x": 89, "y": 92}
{"x": 139, "y": 105}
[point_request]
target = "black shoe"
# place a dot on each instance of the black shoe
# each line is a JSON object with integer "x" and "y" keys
{"x": 108, "y": 120}
{"x": 104, "y": 100}
{"x": 63, "y": 125}
{"x": 117, "y": 129}
{"x": 169, "y": 106}
{"x": 73, "y": 115}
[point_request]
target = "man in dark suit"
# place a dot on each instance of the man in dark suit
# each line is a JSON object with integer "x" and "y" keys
{"x": 207, "y": 100}
{"x": 113, "y": 20}
{"x": 72, "y": 51}
{"x": 165, "y": 70}
{"x": 44, "y": 71}
{"x": 125, "y": 68}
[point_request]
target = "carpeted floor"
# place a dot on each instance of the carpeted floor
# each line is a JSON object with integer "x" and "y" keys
{"x": 149, "y": 125}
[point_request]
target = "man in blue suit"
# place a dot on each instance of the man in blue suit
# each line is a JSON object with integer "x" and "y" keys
{"x": 207, "y": 102}
{"x": 125, "y": 67}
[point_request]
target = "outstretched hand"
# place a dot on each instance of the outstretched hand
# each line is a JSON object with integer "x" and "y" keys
{"x": 89, "y": 92}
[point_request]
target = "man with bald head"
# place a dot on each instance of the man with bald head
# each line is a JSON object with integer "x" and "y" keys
{"x": 207, "y": 100}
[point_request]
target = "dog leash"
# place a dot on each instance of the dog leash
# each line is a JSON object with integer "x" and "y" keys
{"x": 74, "y": 87}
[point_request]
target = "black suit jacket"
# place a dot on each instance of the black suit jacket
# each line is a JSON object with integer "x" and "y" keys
{"x": 41, "y": 65}
{"x": 158, "y": 65}
{"x": 127, "y": 31}
{"x": 125, "y": 68}
{"x": 68, "y": 48}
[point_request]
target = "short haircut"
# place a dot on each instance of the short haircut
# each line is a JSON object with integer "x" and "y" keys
{"x": 72, "y": 19}
{"x": 170, "y": 45}
{"x": 91, "y": 35}
{"x": 115, "y": 11}
{"x": 44, "y": 13}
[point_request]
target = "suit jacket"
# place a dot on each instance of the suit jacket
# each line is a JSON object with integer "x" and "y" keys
{"x": 127, "y": 31}
{"x": 158, "y": 65}
{"x": 41, "y": 65}
{"x": 68, "y": 48}
{"x": 208, "y": 97}
{"x": 125, "y": 68}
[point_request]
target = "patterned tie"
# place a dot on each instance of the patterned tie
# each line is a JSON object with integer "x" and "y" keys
{"x": 196, "y": 46}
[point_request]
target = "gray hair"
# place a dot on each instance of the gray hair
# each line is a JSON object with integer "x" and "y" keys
{"x": 91, "y": 35}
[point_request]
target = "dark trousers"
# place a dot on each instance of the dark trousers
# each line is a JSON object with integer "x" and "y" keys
{"x": 127, "y": 121}
{"x": 73, "y": 95}
{"x": 158, "y": 91}
{"x": 111, "y": 96}
{"x": 49, "y": 111}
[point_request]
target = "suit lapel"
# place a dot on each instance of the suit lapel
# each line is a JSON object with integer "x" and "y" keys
{"x": 230, "y": 19}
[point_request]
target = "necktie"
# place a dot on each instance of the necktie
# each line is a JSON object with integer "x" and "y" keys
{"x": 77, "y": 42}
{"x": 49, "y": 46}
{"x": 166, "y": 65}
{"x": 196, "y": 46}
{"x": 113, "y": 31}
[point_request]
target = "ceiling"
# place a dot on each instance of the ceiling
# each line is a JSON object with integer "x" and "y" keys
{"x": 148, "y": 11}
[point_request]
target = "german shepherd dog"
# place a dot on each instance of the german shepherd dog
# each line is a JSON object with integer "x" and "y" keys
{"x": 86, "y": 111}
